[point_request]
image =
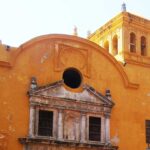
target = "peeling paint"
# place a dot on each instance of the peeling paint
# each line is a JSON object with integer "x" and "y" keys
{"x": 44, "y": 57}
{"x": 115, "y": 140}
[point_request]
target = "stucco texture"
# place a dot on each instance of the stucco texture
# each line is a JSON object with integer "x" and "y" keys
{"x": 46, "y": 58}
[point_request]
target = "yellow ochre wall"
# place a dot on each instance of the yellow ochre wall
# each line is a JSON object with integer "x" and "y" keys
{"x": 122, "y": 25}
{"x": 46, "y": 58}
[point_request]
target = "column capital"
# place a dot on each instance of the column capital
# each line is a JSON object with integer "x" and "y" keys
{"x": 83, "y": 113}
{"x": 107, "y": 115}
{"x": 61, "y": 110}
{"x": 32, "y": 105}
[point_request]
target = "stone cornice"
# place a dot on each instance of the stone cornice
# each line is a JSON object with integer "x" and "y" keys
{"x": 39, "y": 90}
{"x": 66, "y": 104}
{"x": 121, "y": 18}
{"x": 112, "y": 23}
{"x": 68, "y": 143}
{"x": 136, "y": 59}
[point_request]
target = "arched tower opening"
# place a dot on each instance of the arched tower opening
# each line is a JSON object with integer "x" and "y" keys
{"x": 132, "y": 42}
{"x": 115, "y": 45}
{"x": 106, "y": 45}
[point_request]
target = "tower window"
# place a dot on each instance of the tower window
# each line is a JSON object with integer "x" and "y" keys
{"x": 45, "y": 126}
{"x": 106, "y": 45}
{"x": 147, "y": 125}
{"x": 94, "y": 128}
{"x": 115, "y": 45}
{"x": 132, "y": 42}
{"x": 143, "y": 46}
{"x": 72, "y": 78}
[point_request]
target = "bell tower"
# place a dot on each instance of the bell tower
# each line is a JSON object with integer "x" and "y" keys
{"x": 126, "y": 37}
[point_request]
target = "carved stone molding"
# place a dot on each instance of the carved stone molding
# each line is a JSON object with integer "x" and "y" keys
{"x": 67, "y": 104}
{"x": 66, "y": 56}
{"x": 40, "y": 144}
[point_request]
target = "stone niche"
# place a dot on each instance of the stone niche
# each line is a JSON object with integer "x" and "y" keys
{"x": 61, "y": 119}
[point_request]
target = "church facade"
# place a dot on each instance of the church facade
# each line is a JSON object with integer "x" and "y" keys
{"x": 63, "y": 92}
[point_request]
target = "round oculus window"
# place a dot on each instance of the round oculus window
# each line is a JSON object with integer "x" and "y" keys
{"x": 72, "y": 78}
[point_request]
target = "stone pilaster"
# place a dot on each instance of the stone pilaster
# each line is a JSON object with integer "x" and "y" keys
{"x": 107, "y": 128}
{"x": 103, "y": 136}
{"x": 77, "y": 128}
{"x": 83, "y": 127}
{"x": 31, "y": 121}
{"x": 60, "y": 124}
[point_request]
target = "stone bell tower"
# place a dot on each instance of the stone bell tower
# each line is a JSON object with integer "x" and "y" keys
{"x": 126, "y": 37}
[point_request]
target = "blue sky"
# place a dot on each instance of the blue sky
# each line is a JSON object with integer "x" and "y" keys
{"x": 22, "y": 20}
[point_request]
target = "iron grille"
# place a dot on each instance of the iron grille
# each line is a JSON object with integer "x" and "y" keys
{"x": 94, "y": 128}
{"x": 45, "y": 126}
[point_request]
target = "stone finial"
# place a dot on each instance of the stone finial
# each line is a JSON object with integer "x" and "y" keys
{"x": 8, "y": 47}
{"x": 88, "y": 33}
{"x": 108, "y": 94}
{"x": 123, "y": 7}
{"x": 33, "y": 84}
{"x": 75, "y": 31}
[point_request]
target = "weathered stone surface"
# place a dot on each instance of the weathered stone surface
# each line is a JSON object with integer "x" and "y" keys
{"x": 71, "y": 112}
{"x": 46, "y": 144}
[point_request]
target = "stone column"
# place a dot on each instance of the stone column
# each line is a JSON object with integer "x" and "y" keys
{"x": 31, "y": 121}
{"x": 107, "y": 128}
{"x": 60, "y": 124}
{"x": 83, "y": 127}
{"x": 77, "y": 129}
{"x": 138, "y": 43}
{"x": 103, "y": 138}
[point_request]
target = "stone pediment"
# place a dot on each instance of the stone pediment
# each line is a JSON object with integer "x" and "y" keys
{"x": 57, "y": 90}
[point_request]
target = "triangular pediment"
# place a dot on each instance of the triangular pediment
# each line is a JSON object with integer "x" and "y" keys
{"x": 57, "y": 90}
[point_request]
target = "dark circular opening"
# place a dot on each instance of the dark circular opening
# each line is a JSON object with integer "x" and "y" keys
{"x": 72, "y": 78}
